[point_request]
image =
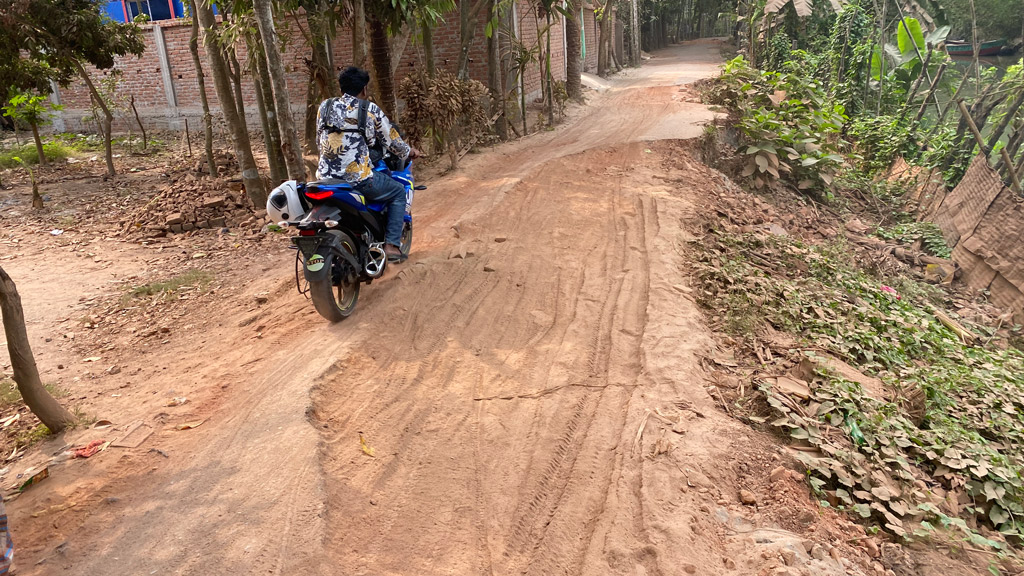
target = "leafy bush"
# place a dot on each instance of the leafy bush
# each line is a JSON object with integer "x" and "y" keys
{"x": 27, "y": 152}
{"x": 932, "y": 241}
{"x": 791, "y": 129}
{"x": 880, "y": 140}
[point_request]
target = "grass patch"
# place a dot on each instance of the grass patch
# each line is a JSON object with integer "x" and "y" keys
{"x": 880, "y": 458}
{"x": 10, "y": 397}
{"x": 55, "y": 151}
{"x": 189, "y": 279}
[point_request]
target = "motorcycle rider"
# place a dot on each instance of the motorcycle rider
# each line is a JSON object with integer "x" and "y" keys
{"x": 345, "y": 150}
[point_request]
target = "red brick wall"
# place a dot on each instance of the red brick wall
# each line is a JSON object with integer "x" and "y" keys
{"x": 142, "y": 76}
{"x": 592, "y": 34}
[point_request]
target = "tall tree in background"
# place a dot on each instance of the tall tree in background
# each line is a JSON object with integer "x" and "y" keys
{"x": 265, "y": 105}
{"x": 573, "y": 51}
{"x": 604, "y": 20}
{"x": 360, "y": 52}
{"x": 26, "y": 374}
{"x": 285, "y": 120}
{"x": 234, "y": 117}
{"x": 193, "y": 46}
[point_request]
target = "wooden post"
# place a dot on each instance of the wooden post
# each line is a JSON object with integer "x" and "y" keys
{"x": 188, "y": 138}
{"x": 1014, "y": 181}
{"x": 930, "y": 95}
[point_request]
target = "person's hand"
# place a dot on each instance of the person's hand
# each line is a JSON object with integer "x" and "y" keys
{"x": 414, "y": 153}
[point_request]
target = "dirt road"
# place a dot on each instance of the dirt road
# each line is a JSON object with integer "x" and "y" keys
{"x": 505, "y": 380}
{"x": 529, "y": 386}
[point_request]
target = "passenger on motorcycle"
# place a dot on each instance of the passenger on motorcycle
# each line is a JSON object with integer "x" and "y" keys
{"x": 348, "y": 150}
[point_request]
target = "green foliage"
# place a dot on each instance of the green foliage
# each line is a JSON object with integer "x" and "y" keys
{"x": 16, "y": 156}
{"x": 932, "y": 241}
{"x": 878, "y": 461}
{"x": 58, "y": 36}
{"x": 33, "y": 109}
{"x": 881, "y": 139}
{"x": 791, "y": 130}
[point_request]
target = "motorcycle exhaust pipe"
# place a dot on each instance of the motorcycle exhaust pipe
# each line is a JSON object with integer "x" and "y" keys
{"x": 376, "y": 260}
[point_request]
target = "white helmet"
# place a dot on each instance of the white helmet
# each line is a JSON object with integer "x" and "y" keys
{"x": 285, "y": 204}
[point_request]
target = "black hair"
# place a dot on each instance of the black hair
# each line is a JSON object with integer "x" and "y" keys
{"x": 352, "y": 80}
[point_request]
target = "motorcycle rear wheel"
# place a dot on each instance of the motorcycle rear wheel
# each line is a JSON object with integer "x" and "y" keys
{"x": 336, "y": 301}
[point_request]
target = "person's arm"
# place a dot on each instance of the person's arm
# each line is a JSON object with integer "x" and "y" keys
{"x": 387, "y": 135}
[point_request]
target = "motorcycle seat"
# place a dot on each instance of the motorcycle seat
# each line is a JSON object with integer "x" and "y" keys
{"x": 328, "y": 184}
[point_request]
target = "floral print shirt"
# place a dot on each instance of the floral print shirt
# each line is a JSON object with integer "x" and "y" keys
{"x": 344, "y": 155}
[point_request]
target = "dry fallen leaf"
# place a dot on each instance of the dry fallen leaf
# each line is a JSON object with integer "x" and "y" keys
{"x": 190, "y": 425}
{"x": 366, "y": 447}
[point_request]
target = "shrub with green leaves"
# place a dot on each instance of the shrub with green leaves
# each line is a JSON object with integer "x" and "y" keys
{"x": 791, "y": 129}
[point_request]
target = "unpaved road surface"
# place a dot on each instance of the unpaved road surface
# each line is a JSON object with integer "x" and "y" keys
{"x": 529, "y": 385}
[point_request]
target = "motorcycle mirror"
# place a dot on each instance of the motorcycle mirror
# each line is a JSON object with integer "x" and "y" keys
{"x": 420, "y": 187}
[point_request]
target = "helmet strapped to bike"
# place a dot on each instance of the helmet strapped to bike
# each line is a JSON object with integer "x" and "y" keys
{"x": 285, "y": 204}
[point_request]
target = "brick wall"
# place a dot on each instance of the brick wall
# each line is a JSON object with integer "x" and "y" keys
{"x": 590, "y": 36}
{"x": 144, "y": 76}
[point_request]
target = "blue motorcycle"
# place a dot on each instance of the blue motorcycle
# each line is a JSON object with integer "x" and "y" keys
{"x": 340, "y": 243}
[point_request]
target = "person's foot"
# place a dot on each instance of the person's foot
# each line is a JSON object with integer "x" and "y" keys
{"x": 394, "y": 253}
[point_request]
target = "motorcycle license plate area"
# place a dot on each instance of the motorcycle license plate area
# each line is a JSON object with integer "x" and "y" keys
{"x": 308, "y": 246}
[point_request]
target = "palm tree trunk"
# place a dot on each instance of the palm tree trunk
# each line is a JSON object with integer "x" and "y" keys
{"x": 573, "y": 65}
{"x": 380, "y": 54}
{"x": 427, "y": 34}
{"x": 236, "y": 124}
{"x": 193, "y": 46}
{"x": 26, "y": 374}
{"x": 285, "y": 121}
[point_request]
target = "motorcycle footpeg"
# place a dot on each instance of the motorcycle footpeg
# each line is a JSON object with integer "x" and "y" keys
{"x": 376, "y": 260}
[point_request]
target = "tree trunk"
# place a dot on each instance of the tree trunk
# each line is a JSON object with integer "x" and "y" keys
{"x": 236, "y": 125}
{"x": 547, "y": 68}
{"x": 359, "y": 51}
{"x": 428, "y": 48}
{"x": 494, "y": 76}
{"x": 602, "y": 40}
{"x": 282, "y": 104}
{"x": 397, "y": 46}
{"x": 634, "y": 26}
{"x": 380, "y": 54}
{"x": 468, "y": 13}
{"x": 135, "y": 111}
{"x": 235, "y": 75}
{"x": 573, "y": 64}
{"x": 26, "y": 374}
{"x": 319, "y": 74}
{"x": 104, "y": 122}
{"x": 39, "y": 144}
{"x": 265, "y": 105}
{"x": 193, "y": 46}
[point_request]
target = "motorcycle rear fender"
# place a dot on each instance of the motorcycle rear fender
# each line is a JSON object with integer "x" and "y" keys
{"x": 318, "y": 265}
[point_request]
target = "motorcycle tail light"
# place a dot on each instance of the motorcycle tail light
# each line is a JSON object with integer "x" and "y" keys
{"x": 322, "y": 195}
{"x": 307, "y": 232}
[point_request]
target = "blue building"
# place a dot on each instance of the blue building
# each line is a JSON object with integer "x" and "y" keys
{"x": 127, "y": 10}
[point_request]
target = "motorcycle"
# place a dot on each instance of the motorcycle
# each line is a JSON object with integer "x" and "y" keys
{"x": 340, "y": 241}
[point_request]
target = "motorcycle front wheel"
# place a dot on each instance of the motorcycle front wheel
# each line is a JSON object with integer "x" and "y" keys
{"x": 336, "y": 294}
{"x": 406, "y": 246}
